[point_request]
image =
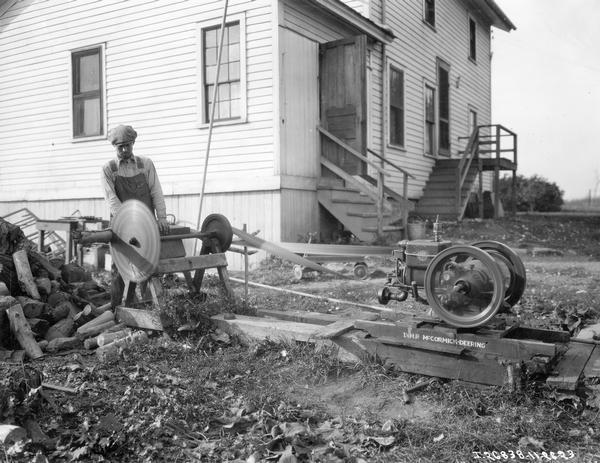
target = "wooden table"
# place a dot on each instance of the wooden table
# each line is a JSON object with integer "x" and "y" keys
{"x": 65, "y": 225}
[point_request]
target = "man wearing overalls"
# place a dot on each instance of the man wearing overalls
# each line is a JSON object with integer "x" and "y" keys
{"x": 130, "y": 177}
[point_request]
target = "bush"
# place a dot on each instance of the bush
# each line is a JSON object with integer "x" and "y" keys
{"x": 533, "y": 193}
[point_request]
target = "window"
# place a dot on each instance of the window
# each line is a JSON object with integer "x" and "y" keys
{"x": 472, "y": 39}
{"x": 229, "y": 99}
{"x": 396, "y": 107}
{"x": 429, "y": 12}
{"x": 444, "y": 108}
{"x": 429, "y": 120}
{"x": 472, "y": 120}
{"x": 87, "y": 92}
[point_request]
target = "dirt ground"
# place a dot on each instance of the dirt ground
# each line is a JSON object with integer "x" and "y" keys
{"x": 195, "y": 394}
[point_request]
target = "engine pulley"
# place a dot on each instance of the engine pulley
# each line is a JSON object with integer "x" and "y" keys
{"x": 465, "y": 286}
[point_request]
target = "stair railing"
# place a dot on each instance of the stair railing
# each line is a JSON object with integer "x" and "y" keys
{"x": 379, "y": 197}
{"x": 501, "y": 141}
{"x": 464, "y": 165}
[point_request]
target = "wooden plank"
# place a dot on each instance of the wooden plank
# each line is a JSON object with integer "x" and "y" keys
{"x": 336, "y": 249}
{"x": 570, "y": 367}
{"x": 315, "y": 318}
{"x": 592, "y": 368}
{"x": 334, "y": 329}
{"x": 186, "y": 264}
{"x": 249, "y": 330}
{"x": 476, "y": 369}
{"x": 515, "y": 349}
{"x": 137, "y": 318}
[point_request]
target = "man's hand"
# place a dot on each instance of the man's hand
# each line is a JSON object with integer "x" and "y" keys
{"x": 163, "y": 226}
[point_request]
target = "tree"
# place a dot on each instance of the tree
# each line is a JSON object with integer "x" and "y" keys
{"x": 533, "y": 193}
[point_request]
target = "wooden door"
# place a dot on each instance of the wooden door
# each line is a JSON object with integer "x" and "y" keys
{"x": 343, "y": 70}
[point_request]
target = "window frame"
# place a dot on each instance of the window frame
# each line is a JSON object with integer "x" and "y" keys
{"x": 202, "y": 107}
{"x": 472, "y": 110}
{"x": 441, "y": 118}
{"x": 426, "y": 124}
{"x": 472, "y": 39}
{"x": 393, "y": 67}
{"x": 100, "y": 93}
{"x": 429, "y": 5}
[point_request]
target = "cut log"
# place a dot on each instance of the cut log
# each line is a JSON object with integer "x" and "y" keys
{"x": 31, "y": 307}
{"x": 138, "y": 318}
{"x": 113, "y": 333}
{"x": 111, "y": 350}
{"x": 43, "y": 285}
{"x": 94, "y": 330}
{"x": 4, "y": 289}
{"x": 106, "y": 338}
{"x": 22, "y": 332}
{"x": 39, "y": 326}
{"x": 59, "y": 344}
{"x": 6, "y": 302}
{"x": 24, "y": 273}
{"x": 84, "y": 316}
{"x": 102, "y": 318}
{"x": 101, "y": 309}
{"x": 57, "y": 313}
{"x": 10, "y": 434}
{"x": 61, "y": 329}
{"x": 56, "y": 298}
{"x": 36, "y": 258}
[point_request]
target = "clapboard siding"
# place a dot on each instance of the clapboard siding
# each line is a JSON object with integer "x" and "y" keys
{"x": 304, "y": 219}
{"x": 151, "y": 66}
{"x": 415, "y": 50}
{"x": 258, "y": 210}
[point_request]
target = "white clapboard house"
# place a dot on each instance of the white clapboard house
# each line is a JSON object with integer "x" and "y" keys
{"x": 330, "y": 116}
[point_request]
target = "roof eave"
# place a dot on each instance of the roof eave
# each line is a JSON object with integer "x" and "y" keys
{"x": 353, "y": 17}
{"x": 499, "y": 18}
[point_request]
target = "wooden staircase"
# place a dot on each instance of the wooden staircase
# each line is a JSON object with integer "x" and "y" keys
{"x": 364, "y": 205}
{"x": 439, "y": 194}
{"x": 452, "y": 181}
{"x": 358, "y": 212}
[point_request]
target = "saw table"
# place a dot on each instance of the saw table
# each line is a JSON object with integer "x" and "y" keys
{"x": 141, "y": 254}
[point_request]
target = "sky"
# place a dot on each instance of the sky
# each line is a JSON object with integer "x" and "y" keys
{"x": 546, "y": 88}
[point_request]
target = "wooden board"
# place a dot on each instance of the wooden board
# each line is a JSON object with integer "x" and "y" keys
{"x": 315, "y": 318}
{"x": 137, "y": 318}
{"x": 473, "y": 368}
{"x": 334, "y": 329}
{"x": 431, "y": 335}
{"x": 592, "y": 368}
{"x": 186, "y": 264}
{"x": 249, "y": 330}
{"x": 570, "y": 367}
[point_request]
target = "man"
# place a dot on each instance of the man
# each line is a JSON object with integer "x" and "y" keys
{"x": 130, "y": 177}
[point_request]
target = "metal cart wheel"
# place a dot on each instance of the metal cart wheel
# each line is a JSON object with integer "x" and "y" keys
{"x": 361, "y": 270}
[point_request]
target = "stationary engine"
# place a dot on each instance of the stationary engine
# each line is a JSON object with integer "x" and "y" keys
{"x": 465, "y": 285}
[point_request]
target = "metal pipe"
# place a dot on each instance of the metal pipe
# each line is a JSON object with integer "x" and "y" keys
{"x": 212, "y": 116}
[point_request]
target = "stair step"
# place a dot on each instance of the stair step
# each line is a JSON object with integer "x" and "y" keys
{"x": 367, "y": 215}
{"x": 353, "y": 201}
{"x": 387, "y": 228}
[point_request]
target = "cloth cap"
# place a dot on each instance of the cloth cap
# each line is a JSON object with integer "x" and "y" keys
{"x": 122, "y": 134}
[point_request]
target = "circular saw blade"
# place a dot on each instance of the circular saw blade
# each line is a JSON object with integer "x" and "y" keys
{"x": 135, "y": 247}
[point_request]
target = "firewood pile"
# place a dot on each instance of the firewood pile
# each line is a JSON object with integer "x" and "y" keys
{"x": 47, "y": 307}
